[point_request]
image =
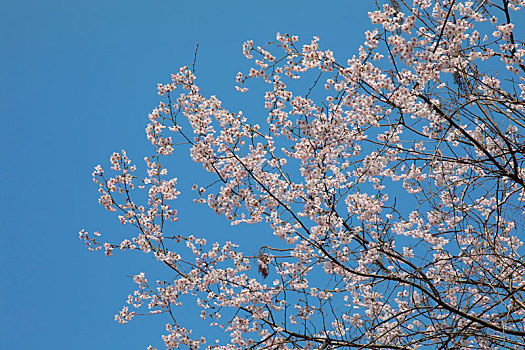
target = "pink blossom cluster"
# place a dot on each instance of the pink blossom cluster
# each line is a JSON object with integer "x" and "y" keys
{"x": 394, "y": 194}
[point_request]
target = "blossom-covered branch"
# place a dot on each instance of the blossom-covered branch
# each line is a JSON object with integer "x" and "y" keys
{"x": 394, "y": 181}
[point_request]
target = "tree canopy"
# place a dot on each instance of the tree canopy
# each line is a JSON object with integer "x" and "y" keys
{"x": 394, "y": 180}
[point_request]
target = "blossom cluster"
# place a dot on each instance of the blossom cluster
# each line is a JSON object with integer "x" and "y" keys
{"x": 394, "y": 194}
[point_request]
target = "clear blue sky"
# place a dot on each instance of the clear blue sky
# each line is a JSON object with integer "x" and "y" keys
{"x": 77, "y": 80}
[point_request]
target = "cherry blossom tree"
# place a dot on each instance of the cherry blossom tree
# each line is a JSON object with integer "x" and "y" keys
{"x": 393, "y": 182}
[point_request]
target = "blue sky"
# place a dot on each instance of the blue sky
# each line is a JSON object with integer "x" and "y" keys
{"x": 78, "y": 79}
